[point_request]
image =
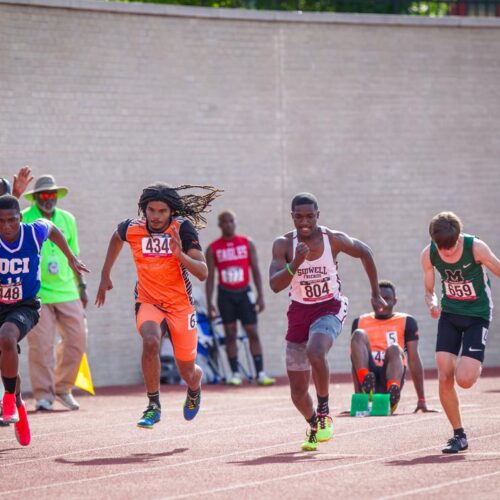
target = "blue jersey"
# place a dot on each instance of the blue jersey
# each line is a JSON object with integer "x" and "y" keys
{"x": 20, "y": 263}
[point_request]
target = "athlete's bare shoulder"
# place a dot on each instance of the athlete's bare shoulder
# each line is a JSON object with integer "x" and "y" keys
{"x": 338, "y": 239}
{"x": 282, "y": 244}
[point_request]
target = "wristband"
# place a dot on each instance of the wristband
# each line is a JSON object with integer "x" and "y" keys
{"x": 83, "y": 286}
{"x": 421, "y": 400}
{"x": 289, "y": 270}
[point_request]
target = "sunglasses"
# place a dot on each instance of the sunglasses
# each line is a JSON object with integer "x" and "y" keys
{"x": 48, "y": 196}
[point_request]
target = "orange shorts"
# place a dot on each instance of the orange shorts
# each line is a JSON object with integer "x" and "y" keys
{"x": 182, "y": 328}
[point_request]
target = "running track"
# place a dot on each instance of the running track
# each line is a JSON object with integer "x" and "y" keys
{"x": 246, "y": 443}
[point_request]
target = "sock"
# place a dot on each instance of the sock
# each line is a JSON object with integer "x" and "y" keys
{"x": 9, "y": 384}
{"x": 233, "y": 363}
{"x": 459, "y": 432}
{"x": 19, "y": 400}
{"x": 194, "y": 394}
{"x": 361, "y": 374}
{"x": 312, "y": 421}
{"x": 323, "y": 405}
{"x": 393, "y": 381}
{"x": 259, "y": 363}
{"x": 154, "y": 397}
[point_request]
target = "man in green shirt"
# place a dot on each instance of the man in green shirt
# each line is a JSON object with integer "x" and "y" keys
{"x": 464, "y": 312}
{"x": 64, "y": 297}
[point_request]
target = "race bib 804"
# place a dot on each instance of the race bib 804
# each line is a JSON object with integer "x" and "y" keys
{"x": 316, "y": 290}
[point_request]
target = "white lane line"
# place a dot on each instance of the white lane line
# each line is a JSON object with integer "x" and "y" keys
{"x": 285, "y": 407}
{"x": 151, "y": 441}
{"x": 252, "y": 484}
{"x": 217, "y": 457}
{"x": 441, "y": 485}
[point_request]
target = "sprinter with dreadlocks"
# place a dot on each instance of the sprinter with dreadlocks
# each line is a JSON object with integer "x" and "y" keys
{"x": 164, "y": 244}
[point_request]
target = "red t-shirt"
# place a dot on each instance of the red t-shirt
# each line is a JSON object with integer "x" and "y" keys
{"x": 232, "y": 260}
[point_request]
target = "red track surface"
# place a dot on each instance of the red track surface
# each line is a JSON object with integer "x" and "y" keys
{"x": 246, "y": 443}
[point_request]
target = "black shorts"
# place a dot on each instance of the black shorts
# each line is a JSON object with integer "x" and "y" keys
{"x": 456, "y": 331}
{"x": 24, "y": 315}
{"x": 380, "y": 375}
{"x": 236, "y": 305}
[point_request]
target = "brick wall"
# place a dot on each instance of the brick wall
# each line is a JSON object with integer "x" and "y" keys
{"x": 387, "y": 120}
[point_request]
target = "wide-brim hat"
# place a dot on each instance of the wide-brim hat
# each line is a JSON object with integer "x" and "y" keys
{"x": 46, "y": 183}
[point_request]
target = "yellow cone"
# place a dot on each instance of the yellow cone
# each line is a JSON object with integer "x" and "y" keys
{"x": 84, "y": 379}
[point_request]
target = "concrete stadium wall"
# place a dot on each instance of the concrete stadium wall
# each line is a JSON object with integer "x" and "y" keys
{"x": 388, "y": 120}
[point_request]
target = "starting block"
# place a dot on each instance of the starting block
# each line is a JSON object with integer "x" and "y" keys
{"x": 360, "y": 405}
{"x": 380, "y": 406}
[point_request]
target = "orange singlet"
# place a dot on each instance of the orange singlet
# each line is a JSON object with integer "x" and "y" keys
{"x": 163, "y": 292}
{"x": 384, "y": 332}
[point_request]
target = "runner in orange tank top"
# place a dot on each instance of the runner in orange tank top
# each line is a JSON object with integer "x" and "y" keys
{"x": 165, "y": 248}
{"x": 382, "y": 344}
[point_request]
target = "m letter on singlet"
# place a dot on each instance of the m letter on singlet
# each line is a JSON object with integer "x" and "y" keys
{"x": 454, "y": 275}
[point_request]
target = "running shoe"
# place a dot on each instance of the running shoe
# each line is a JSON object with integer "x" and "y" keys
{"x": 192, "y": 404}
{"x": 325, "y": 428}
{"x": 264, "y": 379}
{"x": 456, "y": 444}
{"x": 150, "y": 417}
{"x": 235, "y": 379}
{"x": 311, "y": 442}
{"x": 368, "y": 385}
{"x": 22, "y": 428}
{"x": 2, "y": 423}
{"x": 395, "y": 392}
{"x": 9, "y": 413}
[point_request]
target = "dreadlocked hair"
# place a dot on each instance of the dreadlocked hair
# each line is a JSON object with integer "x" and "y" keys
{"x": 190, "y": 206}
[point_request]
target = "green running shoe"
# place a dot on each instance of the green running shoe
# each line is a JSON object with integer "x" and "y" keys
{"x": 265, "y": 380}
{"x": 311, "y": 442}
{"x": 151, "y": 416}
{"x": 325, "y": 428}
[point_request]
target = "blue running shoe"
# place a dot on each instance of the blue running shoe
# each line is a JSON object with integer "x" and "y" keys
{"x": 150, "y": 417}
{"x": 192, "y": 404}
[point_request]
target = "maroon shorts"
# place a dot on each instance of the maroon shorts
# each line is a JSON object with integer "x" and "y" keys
{"x": 302, "y": 316}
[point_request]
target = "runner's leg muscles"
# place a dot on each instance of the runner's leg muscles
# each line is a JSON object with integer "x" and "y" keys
{"x": 318, "y": 346}
{"x": 394, "y": 363}
{"x": 467, "y": 372}
{"x": 151, "y": 340}
{"x": 299, "y": 391}
{"x": 9, "y": 361}
{"x": 446, "y": 364}
{"x": 253, "y": 338}
{"x": 190, "y": 372}
{"x": 360, "y": 349}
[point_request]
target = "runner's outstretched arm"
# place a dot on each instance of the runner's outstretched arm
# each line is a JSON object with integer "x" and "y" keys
{"x": 280, "y": 271}
{"x": 257, "y": 279}
{"x": 484, "y": 255}
{"x": 56, "y": 236}
{"x": 114, "y": 248}
{"x": 193, "y": 260}
{"x": 417, "y": 372}
{"x": 429, "y": 280}
{"x": 21, "y": 181}
{"x": 359, "y": 250}
{"x": 209, "y": 285}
